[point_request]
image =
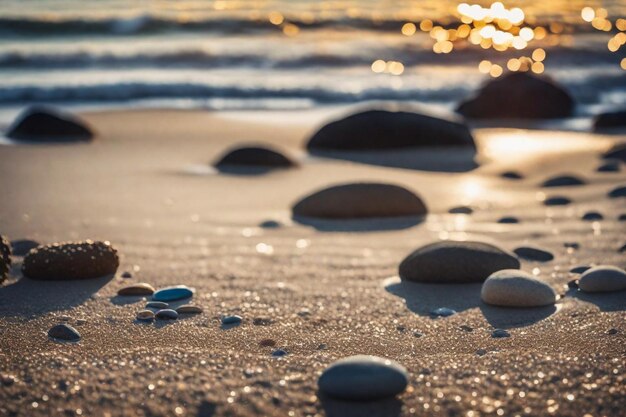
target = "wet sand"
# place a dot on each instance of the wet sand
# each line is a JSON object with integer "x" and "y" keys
{"x": 327, "y": 290}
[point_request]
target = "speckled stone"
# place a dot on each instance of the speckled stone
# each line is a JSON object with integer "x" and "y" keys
{"x": 603, "y": 278}
{"x": 455, "y": 262}
{"x": 166, "y": 314}
{"x": 563, "y": 181}
{"x": 515, "y": 288}
{"x": 591, "y": 216}
{"x": 533, "y": 254}
{"x": 500, "y": 333}
{"x": 363, "y": 378}
{"x": 227, "y": 320}
{"x": 64, "y": 332}
{"x": 189, "y": 309}
{"x": 145, "y": 315}
{"x": 160, "y": 305}
{"x": 177, "y": 292}
{"x": 141, "y": 288}
{"x": 556, "y": 201}
{"x": 618, "y": 192}
{"x": 71, "y": 260}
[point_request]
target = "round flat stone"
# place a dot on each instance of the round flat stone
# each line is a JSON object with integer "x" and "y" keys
{"x": 189, "y": 309}
{"x": 177, "y": 292}
{"x": 591, "y": 216}
{"x": 455, "y": 262}
{"x": 603, "y": 278}
{"x": 508, "y": 220}
{"x": 231, "y": 320}
{"x": 160, "y": 305}
{"x": 563, "y": 181}
{"x": 500, "y": 333}
{"x": 461, "y": 210}
{"x": 64, "y": 332}
{"x": 363, "y": 378}
{"x": 167, "y": 314}
{"x": 141, "y": 288}
{"x": 533, "y": 254}
{"x": 515, "y": 288}
{"x": 145, "y": 315}
{"x": 557, "y": 201}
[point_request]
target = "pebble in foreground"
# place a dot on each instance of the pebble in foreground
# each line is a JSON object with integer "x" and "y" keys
{"x": 455, "y": 262}
{"x": 516, "y": 288}
{"x": 141, "y": 288}
{"x": 363, "y": 378}
{"x": 177, "y": 292}
{"x": 64, "y": 332}
{"x": 71, "y": 260}
{"x": 603, "y": 278}
{"x": 166, "y": 314}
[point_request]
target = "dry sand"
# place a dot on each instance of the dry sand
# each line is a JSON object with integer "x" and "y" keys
{"x": 144, "y": 185}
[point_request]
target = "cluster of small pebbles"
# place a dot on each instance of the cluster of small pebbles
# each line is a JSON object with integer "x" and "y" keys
{"x": 159, "y": 308}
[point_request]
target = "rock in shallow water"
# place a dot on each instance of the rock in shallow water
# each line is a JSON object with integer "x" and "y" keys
{"x": 255, "y": 156}
{"x": 455, "y": 262}
{"x": 382, "y": 129}
{"x": 64, "y": 332}
{"x": 533, "y": 254}
{"x": 141, "y": 288}
{"x": 359, "y": 201}
{"x": 363, "y": 378}
{"x": 43, "y": 123}
{"x": 174, "y": 293}
{"x": 603, "y": 278}
{"x": 71, "y": 260}
{"x": 515, "y": 288}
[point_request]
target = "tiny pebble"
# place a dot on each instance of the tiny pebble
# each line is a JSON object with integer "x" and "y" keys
{"x": 231, "y": 319}
{"x": 442, "y": 312}
{"x": 64, "y": 332}
{"x": 572, "y": 245}
{"x": 591, "y": 216}
{"x": 418, "y": 334}
{"x": 160, "y": 305}
{"x": 557, "y": 201}
{"x": 166, "y": 314}
{"x": 141, "y": 288}
{"x": 466, "y": 328}
{"x": 481, "y": 352}
{"x": 499, "y": 333}
{"x": 461, "y": 210}
{"x": 189, "y": 309}
{"x": 267, "y": 343}
{"x": 278, "y": 353}
{"x": 612, "y": 331}
{"x": 508, "y": 220}
{"x": 126, "y": 274}
{"x": 145, "y": 315}
{"x": 573, "y": 284}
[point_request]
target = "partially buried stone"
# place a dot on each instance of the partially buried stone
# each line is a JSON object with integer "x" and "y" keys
{"x": 254, "y": 156}
{"x": 64, "y": 332}
{"x": 500, "y": 333}
{"x": 611, "y": 166}
{"x": 71, "y": 260}
{"x": 126, "y": 274}
{"x": 508, "y": 220}
{"x": 442, "y": 312}
{"x": 166, "y": 314}
{"x": 363, "y": 378}
{"x": 174, "y": 293}
{"x": 44, "y": 123}
{"x": 145, "y": 315}
{"x": 591, "y": 216}
{"x": 618, "y": 192}
{"x": 622, "y": 249}
{"x": 21, "y": 247}
{"x": 571, "y": 245}
{"x": 230, "y": 320}
{"x": 455, "y": 262}
{"x": 603, "y": 278}
{"x": 563, "y": 181}
{"x": 533, "y": 254}
{"x": 515, "y": 288}
{"x": 557, "y": 201}
{"x": 160, "y": 305}
{"x": 461, "y": 210}
{"x": 141, "y": 288}
{"x": 279, "y": 353}
{"x": 270, "y": 224}
{"x": 189, "y": 309}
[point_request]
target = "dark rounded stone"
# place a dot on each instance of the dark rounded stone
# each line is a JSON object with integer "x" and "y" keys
{"x": 360, "y": 200}
{"x": 618, "y": 192}
{"x": 519, "y": 95}
{"x": 571, "y": 245}
{"x": 21, "y": 247}
{"x": 71, "y": 260}
{"x": 563, "y": 181}
{"x": 512, "y": 175}
{"x": 508, "y": 220}
{"x": 279, "y": 353}
{"x": 442, "y": 312}
{"x": 189, "y": 309}
{"x": 166, "y": 314}
{"x": 611, "y": 166}
{"x": 382, "y": 129}
{"x": 270, "y": 224}
{"x": 43, "y": 123}
{"x": 621, "y": 217}
{"x": 603, "y": 278}
{"x": 461, "y": 210}
{"x": 64, "y": 332}
{"x": 610, "y": 120}
{"x": 255, "y": 156}
{"x": 622, "y": 249}
{"x": 500, "y": 333}
{"x": 592, "y": 216}
{"x": 533, "y": 254}
{"x": 455, "y": 262}
{"x": 557, "y": 201}
{"x": 618, "y": 152}
{"x": 157, "y": 305}
{"x": 230, "y": 320}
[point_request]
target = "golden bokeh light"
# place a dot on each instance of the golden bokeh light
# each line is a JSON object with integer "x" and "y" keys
{"x": 389, "y": 67}
{"x": 276, "y": 18}
{"x": 484, "y": 66}
{"x": 379, "y": 66}
{"x": 588, "y": 14}
{"x": 623, "y": 63}
{"x": 495, "y": 71}
{"x": 426, "y": 25}
{"x": 537, "y": 67}
{"x": 513, "y": 64}
{"x": 409, "y": 29}
{"x": 539, "y": 54}
{"x": 290, "y": 29}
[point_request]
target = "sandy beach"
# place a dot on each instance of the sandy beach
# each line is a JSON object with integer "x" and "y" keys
{"x": 320, "y": 292}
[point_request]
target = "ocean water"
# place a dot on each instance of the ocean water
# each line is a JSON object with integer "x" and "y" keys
{"x": 231, "y": 54}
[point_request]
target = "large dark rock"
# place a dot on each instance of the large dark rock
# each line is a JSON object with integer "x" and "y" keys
{"x": 43, "y": 124}
{"x": 610, "y": 120}
{"x": 455, "y": 262}
{"x": 254, "y": 157}
{"x": 383, "y": 129}
{"x": 71, "y": 260}
{"x": 519, "y": 95}
{"x": 360, "y": 201}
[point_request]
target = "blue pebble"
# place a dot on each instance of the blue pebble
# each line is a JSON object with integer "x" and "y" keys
{"x": 231, "y": 320}
{"x": 159, "y": 305}
{"x": 442, "y": 312}
{"x": 279, "y": 353}
{"x": 177, "y": 292}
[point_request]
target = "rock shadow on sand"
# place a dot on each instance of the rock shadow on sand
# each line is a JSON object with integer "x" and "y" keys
{"x": 390, "y": 407}
{"x": 422, "y": 299}
{"x": 28, "y": 297}
{"x": 605, "y": 301}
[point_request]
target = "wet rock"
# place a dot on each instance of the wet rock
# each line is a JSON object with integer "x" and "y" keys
{"x": 43, "y": 123}
{"x": 500, "y": 333}
{"x": 145, "y": 315}
{"x": 591, "y": 216}
{"x": 363, "y": 378}
{"x": 21, "y": 247}
{"x": 519, "y": 95}
{"x": 515, "y": 288}
{"x": 618, "y": 192}
{"x": 617, "y": 152}
{"x": 64, "y": 332}
{"x": 612, "y": 166}
{"x": 557, "y": 201}
{"x": 579, "y": 269}
{"x": 563, "y": 181}
{"x": 141, "y": 288}
{"x": 360, "y": 200}
{"x": 177, "y": 292}
{"x": 382, "y": 129}
{"x": 166, "y": 314}
{"x": 189, "y": 309}
{"x": 71, "y": 260}
{"x": 461, "y": 210}
{"x": 603, "y": 278}
{"x": 512, "y": 175}
{"x": 455, "y": 262}
{"x": 442, "y": 312}
{"x": 508, "y": 220}
{"x": 610, "y": 120}
{"x": 230, "y": 320}
{"x": 159, "y": 305}
{"x": 255, "y": 156}
{"x": 533, "y": 254}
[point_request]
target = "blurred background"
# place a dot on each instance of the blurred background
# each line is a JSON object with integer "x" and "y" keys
{"x": 287, "y": 54}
